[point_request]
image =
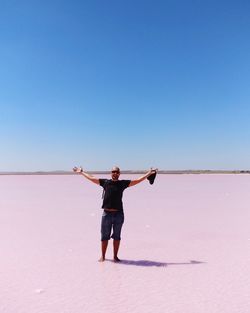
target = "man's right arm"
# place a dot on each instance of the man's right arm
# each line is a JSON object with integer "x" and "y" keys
{"x": 86, "y": 175}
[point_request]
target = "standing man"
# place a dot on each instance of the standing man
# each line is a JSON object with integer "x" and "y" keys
{"x": 113, "y": 216}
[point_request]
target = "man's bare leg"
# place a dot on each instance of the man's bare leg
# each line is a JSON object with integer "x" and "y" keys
{"x": 104, "y": 249}
{"x": 116, "y": 245}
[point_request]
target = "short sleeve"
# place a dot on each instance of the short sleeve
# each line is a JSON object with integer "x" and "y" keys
{"x": 125, "y": 183}
{"x": 102, "y": 182}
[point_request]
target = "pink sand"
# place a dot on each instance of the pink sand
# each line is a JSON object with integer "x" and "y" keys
{"x": 185, "y": 246}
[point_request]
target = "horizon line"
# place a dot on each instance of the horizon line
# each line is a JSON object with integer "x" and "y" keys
{"x": 64, "y": 172}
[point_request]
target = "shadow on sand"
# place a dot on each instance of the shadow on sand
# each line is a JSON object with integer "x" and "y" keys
{"x": 147, "y": 263}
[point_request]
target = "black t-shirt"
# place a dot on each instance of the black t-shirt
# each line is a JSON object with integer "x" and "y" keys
{"x": 113, "y": 190}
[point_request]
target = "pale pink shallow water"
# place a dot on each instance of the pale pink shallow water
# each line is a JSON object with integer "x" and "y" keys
{"x": 185, "y": 246}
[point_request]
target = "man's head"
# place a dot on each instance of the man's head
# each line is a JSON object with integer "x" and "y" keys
{"x": 115, "y": 173}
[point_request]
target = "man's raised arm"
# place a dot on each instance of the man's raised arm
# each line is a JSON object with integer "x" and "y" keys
{"x": 140, "y": 179}
{"x": 86, "y": 175}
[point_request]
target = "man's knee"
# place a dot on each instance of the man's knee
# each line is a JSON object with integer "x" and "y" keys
{"x": 116, "y": 237}
{"x": 105, "y": 238}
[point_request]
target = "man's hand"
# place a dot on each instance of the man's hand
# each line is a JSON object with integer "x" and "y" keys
{"x": 140, "y": 179}
{"x": 77, "y": 169}
{"x": 151, "y": 175}
{"x": 86, "y": 175}
{"x": 152, "y": 171}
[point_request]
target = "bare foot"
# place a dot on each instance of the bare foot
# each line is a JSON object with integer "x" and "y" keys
{"x": 116, "y": 259}
{"x": 102, "y": 259}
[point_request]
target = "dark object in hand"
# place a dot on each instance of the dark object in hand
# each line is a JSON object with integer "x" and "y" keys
{"x": 151, "y": 178}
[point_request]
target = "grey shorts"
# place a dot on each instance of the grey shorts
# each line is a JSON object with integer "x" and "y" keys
{"x": 111, "y": 221}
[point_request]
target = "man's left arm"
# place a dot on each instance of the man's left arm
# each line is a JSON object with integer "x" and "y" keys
{"x": 142, "y": 178}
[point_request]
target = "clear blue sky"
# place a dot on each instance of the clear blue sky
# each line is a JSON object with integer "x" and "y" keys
{"x": 134, "y": 83}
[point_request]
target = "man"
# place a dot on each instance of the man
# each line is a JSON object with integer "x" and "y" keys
{"x": 113, "y": 216}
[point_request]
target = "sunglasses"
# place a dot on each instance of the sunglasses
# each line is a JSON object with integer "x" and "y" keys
{"x": 115, "y": 172}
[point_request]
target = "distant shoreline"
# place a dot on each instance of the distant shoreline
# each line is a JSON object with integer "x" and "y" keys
{"x": 169, "y": 172}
